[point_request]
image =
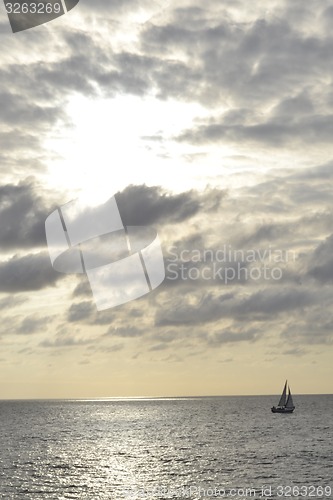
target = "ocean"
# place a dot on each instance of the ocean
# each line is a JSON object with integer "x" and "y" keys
{"x": 190, "y": 448}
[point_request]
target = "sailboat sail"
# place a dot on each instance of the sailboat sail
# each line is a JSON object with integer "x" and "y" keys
{"x": 290, "y": 403}
{"x": 283, "y": 398}
{"x": 286, "y": 404}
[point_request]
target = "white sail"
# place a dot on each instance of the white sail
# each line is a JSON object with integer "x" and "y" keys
{"x": 290, "y": 403}
{"x": 283, "y": 398}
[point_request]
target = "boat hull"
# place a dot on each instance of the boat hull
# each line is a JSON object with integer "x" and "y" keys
{"x": 282, "y": 410}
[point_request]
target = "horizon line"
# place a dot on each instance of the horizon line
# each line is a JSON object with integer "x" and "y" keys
{"x": 143, "y": 398}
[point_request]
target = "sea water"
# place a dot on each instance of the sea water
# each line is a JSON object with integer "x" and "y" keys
{"x": 190, "y": 448}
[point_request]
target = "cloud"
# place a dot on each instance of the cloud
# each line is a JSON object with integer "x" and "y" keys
{"x": 262, "y": 78}
{"x": 86, "y": 312}
{"x": 321, "y": 264}
{"x": 80, "y": 311}
{"x": 28, "y": 273}
{"x": 230, "y": 337}
{"x": 27, "y": 325}
{"x": 141, "y": 205}
{"x": 16, "y": 110}
{"x": 206, "y": 307}
{"x": 274, "y": 301}
{"x": 12, "y": 301}
{"x": 83, "y": 288}
{"x": 66, "y": 341}
{"x": 23, "y": 211}
{"x": 129, "y": 331}
{"x": 312, "y": 331}
{"x": 274, "y": 132}
{"x": 33, "y": 324}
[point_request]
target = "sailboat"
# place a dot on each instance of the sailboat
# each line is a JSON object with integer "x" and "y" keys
{"x": 286, "y": 404}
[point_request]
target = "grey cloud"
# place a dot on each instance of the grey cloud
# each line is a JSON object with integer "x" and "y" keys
{"x": 321, "y": 263}
{"x": 254, "y": 61}
{"x": 91, "y": 349}
{"x": 192, "y": 54}
{"x": 259, "y": 306}
{"x": 253, "y": 65}
{"x": 15, "y": 109}
{"x": 28, "y": 273}
{"x": 123, "y": 6}
{"x": 66, "y": 341}
{"x": 21, "y": 152}
{"x": 311, "y": 333}
{"x": 23, "y": 211}
{"x": 299, "y": 105}
{"x": 268, "y": 232}
{"x": 130, "y": 75}
{"x": 296, "y": 351}
{"x": 130, "y": 331}
{"x": 275, "y": 301}
{"x": 83, "y": 288}
{"x": 80, "y": 311}
{"x": 33, "y": 324}
{"x": 159, "y": 347}
{"x": 166, "y": 337}
{"x": 86, "y": 312}
{"x": 273, "y": 78}
{"x": 28, "y": 325}
{"x": 12, "y": 301}
{"x": 308, "y": 188}
{"x": 103, "y": 317}
{"x": 231, "y": 336}
{"x": 140, "y": 205}
{"x": 273, "y": 132}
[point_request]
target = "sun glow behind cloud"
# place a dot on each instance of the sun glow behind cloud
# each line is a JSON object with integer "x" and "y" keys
{"x": 129, "y": 140}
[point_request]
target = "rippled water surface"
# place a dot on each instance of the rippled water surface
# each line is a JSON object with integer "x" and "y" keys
{"x": 166, "y": 448}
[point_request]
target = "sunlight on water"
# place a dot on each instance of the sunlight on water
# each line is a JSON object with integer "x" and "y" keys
{"x": 162, "y": 447}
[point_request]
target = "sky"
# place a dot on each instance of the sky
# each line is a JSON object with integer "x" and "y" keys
{"x": 212, "y": 123}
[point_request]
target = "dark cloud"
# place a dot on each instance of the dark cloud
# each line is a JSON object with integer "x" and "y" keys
{"x": 273, "y": 132}
{"x": 141, "y": 205}
{"x": 255, "y": 61}
{"x": 15, "y": 109}
{"x": 257, "y": 306}
{"x": 28, "y": 273}
{"x": 321, "y": 263}
{"x": 269, "y": 302}
{"x": 86, "y": 312}
{"x": 24, "y": 208}
{"x": 80, "y": 311}
{"x": 83, "y": 288}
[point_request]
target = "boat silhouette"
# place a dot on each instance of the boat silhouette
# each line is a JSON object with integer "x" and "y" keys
{"x": 286, "y": 404}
